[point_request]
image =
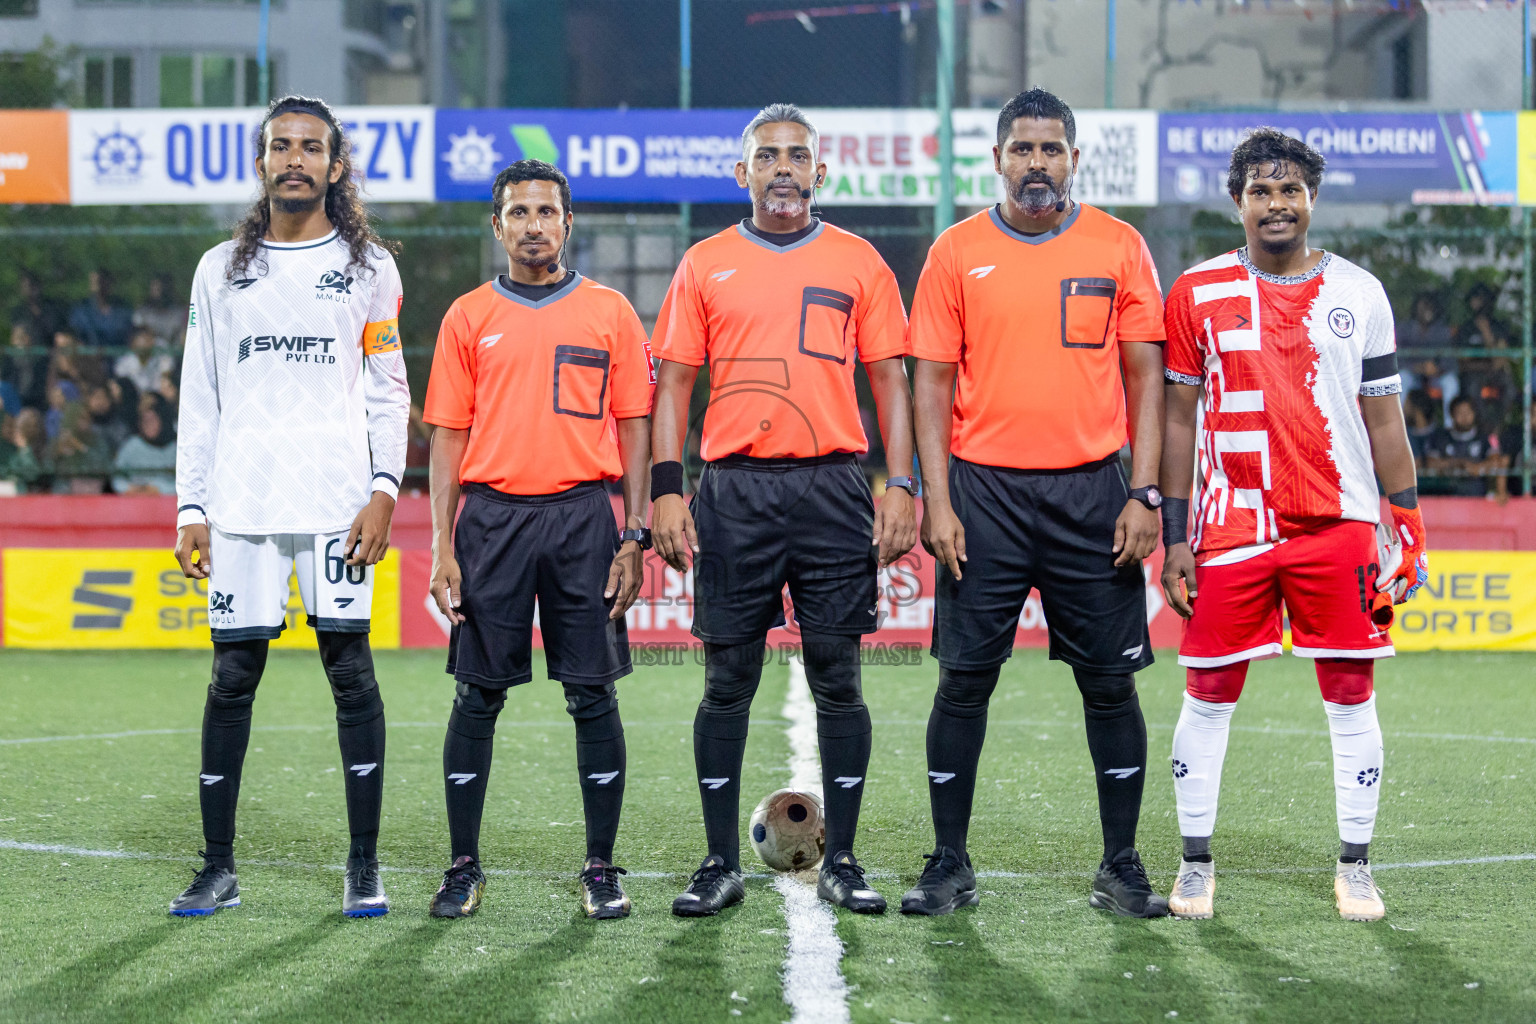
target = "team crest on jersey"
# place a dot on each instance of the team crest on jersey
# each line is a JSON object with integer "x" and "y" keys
{"x": 333, "y": 286}
{"x": 1342, "y": 321}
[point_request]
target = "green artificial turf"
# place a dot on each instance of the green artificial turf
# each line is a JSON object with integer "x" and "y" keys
{"x": 85, "y": 937}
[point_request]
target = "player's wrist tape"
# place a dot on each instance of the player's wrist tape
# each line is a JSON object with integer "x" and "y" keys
{"x": 1407, "y": 498}
{"x": 1175, "y": 521}
{"x": 666, "y": 478}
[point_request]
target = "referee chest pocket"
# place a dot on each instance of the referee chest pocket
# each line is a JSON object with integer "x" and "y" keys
{"x": 581, "y": 381}
{"x": 824, "y": 316}
{"x": 1087, "y": 304}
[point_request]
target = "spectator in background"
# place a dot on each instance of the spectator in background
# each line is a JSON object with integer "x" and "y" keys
{"x": 1512, "y": 451}
{"x": 21, "y": 449}
{"x": 101, "y": 320}
{"x": 68, "y": 363}
{"x": 169, "y": 388}
{"x": 1490, "y": 382}
{"x": 162, "y": 316}
{"x": 1483, "y": 325}
{"x": 110, "y": 409}
{"x": 1420, "y": 370}
{"x": 1464, "y": 452}
{"x": 62, "y": 396}
{"x": 79, "y": 457}
{"x": 23, "y": 372}
{"x": 146, "y": 463}
{"x": 144, "y": 361}
{"x": 1422, "y": 414}
{"x": 40, "y": 318}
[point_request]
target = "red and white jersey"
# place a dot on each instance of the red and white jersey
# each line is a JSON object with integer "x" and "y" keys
{"x": 1282, "y": 448}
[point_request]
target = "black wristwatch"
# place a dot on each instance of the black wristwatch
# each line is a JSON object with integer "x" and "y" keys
{"x": 641, "y": 536}
{"x": 907, "y": 483}
{"x": 1149, "y": 496}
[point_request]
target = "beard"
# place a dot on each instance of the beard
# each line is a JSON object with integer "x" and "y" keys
{"x": 775, "y": 206}
{"x": 541, "y": 261}
{"x": 1039, "y": 201}
{"x": 296, "y": 204}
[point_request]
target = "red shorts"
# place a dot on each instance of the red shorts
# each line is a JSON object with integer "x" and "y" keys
{"x": 1326, "y": 580}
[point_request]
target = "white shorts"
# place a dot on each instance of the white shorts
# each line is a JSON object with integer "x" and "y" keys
{"x": 248, "y": 589}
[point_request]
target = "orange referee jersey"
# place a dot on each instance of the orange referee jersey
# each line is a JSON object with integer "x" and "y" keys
{"x": 1035, "y": 323}
{"x": 538, "y": 384}
{"x": 781, "y": 329}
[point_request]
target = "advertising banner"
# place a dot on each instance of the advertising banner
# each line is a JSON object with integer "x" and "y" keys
{"x": 875, "y": 157}
{"x": 205, "y": 155}
{"x": 103, "y": 598}
{"x": 34, "y": 156}
{"x": 1474, "y": 601}
{"x": 610, "y": 156}
{"x": 890, "y": 157}
{"x": 1459, "y": 157}
{"x": 79, "y": 598}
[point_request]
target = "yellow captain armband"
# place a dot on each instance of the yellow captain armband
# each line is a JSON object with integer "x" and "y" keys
{"x": 383, "y": 336}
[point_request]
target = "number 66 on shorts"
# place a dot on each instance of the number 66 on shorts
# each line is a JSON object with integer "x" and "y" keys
{"x": 248, "y": 591}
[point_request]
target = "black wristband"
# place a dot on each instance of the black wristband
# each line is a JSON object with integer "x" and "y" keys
{"x": 1175, "y": 521}
{"x": 666, "y": 478}
{"x": 1408, "y": 497}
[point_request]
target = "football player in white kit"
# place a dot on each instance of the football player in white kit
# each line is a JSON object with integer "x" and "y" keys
{"x": 291, "y": 442}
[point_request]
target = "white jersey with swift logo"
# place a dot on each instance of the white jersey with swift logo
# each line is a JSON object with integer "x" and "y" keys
{"x": 294, "y": 402}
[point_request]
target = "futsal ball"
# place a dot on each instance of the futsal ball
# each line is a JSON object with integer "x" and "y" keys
{"x": 788, "y": 831}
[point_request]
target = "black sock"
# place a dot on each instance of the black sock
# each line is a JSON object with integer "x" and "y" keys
{"x": 957, "y": 728}
{"x": 237, "y": 669}
{"x": 842, "y": 731}
{"x": 467, "y": 764}
{"x": 731, "y": 675}
{"x": 1197, "y": 849}
{"x": 601, "y": 760}
{"x": 845, "y": 742}
{"x": 1353, "y": 852}
{"x": 360, "y": 732}
{"x": 719, "y": 742}
{"x": 1117, "y": 741}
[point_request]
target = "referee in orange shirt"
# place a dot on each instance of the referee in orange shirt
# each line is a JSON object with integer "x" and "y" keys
{"x": 1024, "y": 319}
{"x": 540, "y": 391}
{"x": 781, "y": 306}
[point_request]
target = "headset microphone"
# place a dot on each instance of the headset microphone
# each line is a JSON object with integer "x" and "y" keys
{"x": 805, "y": 193}
{"x": 1061, "y": 206}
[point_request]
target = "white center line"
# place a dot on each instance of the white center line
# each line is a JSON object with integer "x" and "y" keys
{"x": 814, "y": 986}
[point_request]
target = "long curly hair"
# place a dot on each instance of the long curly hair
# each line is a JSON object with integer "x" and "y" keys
{"x": 343, "y": 205}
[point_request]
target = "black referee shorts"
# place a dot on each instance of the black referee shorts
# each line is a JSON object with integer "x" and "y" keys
{"x": 1047, "y": 530}
{"x": 763, "y": 523}
{"x": 556, "y": 548}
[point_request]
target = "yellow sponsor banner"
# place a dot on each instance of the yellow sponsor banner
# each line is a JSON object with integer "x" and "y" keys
{"x": 1525, "y": 148}
{"x": 1474, "y": 601}
{"x": 77, "y": 598}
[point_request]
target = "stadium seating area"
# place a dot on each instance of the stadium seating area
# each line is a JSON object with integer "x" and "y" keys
{"x": 90, "y": 394}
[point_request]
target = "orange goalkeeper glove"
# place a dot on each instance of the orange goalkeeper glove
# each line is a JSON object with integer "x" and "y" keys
{"x": 1405, "y": 562}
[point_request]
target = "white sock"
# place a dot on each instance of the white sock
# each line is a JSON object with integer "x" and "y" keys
{"x": 1357, "y": 767}
{"x": 1199, "y": 748}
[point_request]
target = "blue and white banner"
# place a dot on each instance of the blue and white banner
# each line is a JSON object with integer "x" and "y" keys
{"x": 659, "y": 156}
{"x": 205, "y": 155}
{"x": 1449, "y": 157}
